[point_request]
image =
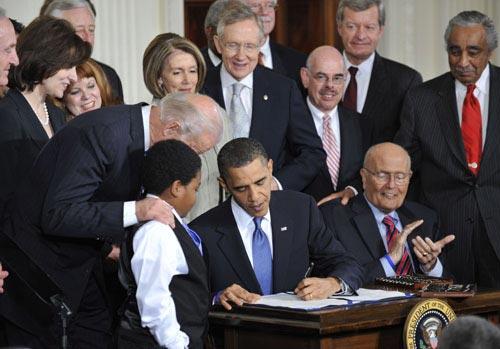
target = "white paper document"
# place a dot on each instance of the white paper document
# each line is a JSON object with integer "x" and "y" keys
{"x": 287, "y": 300}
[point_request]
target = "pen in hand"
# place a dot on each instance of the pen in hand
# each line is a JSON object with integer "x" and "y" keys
{"x": 309, "y": 270}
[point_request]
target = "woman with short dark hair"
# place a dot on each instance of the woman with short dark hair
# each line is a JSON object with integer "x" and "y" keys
{"x": 48, "y": 51}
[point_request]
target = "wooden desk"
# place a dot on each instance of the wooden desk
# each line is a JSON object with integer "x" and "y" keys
{"x": 363, "y": 326}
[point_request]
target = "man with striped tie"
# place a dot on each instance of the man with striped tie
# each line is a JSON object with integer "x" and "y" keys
{"x": 345, "y": 134}
{"x": 388, "y": 235}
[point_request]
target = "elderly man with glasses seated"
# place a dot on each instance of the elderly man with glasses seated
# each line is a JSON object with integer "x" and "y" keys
{"x": 388, "y": 235}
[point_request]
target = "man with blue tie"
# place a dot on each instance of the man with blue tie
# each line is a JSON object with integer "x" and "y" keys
{"x": 375, "y": 225}
{"x": 261, "y": 242}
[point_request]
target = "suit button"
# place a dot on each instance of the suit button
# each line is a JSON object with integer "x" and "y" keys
{"x": 476, "y": 186}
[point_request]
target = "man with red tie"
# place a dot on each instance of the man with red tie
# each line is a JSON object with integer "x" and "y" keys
{"x": 388, "y": 235}
{"x": 450, "y": 127}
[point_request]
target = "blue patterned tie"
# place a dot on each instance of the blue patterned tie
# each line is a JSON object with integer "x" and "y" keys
{"x": 262, "y": 258}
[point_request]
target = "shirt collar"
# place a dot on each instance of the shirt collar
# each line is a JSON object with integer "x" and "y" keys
{"x": 146, "y": 112}
{"x": 242, "y": 218}
{"x": 379, "y": 215}
{"x": 213, "y": 57}
{"x": 318, "y": 113}
{"x": 266, "y": 48}
{"x": 365, "y": 67}
{"x": 227, "y": 80}
{"x": 481, "y": 83}
{"x": 176, "y": 214}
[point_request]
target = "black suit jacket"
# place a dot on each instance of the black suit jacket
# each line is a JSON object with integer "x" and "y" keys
{"x": 114, "y": 81}
{"x": 281, "y": 122}
{"x": 299, "y": 236}
{"x": 22, "y": 137}
{"x": 355, "y": 138}
{"x": 355, "y": 227}
{"x": 389, "y": 83}
{"x": 431, "y": 133}
{"x": 73, "y": 198}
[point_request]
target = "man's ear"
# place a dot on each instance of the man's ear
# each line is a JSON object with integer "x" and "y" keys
{"x": 304, "y": 76}
{"x": 270, "y": 165}
{"x": 218, "y": 44}
{"x": 171, "y": 130}
{"x": 222, "y": 183}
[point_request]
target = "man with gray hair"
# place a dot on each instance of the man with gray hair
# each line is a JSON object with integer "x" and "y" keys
{"x": 81, "y": 15}
{"x": 261, "y": 103}
{"x": 375, "y": 85}
{"x": 82, "y": 192}
{"x": 450, "y": 127}
{"x": 210, "y": 53}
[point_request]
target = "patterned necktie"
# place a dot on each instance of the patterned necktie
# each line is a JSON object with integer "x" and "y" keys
{"x": 332, "y": 150}
{"x": 262, "y": 258}
{"x": 238, "y": 114}
{"x": 472, "y": 129}
{"x": 404, "y": 265}
{"x": 351, "y": 93}
{"x": 195, "y": 237}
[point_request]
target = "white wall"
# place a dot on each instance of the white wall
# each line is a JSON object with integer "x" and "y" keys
{"x": 413, "y": 35}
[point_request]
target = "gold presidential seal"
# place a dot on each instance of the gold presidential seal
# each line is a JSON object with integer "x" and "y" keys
{"x": 425, "y": 322}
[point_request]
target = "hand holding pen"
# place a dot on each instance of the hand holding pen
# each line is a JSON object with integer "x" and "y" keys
{"x": 311, "y": 288}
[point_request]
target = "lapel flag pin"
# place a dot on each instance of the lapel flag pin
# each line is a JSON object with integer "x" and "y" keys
{"x": 266, "y": 98}
{"x": 283, "y": 228}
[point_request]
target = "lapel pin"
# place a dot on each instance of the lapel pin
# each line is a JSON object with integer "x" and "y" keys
{"x": 283, "y": 228}
{"x": 266, "y": 98}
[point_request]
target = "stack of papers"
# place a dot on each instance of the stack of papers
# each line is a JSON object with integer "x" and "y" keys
{"x": 291, "y": 301}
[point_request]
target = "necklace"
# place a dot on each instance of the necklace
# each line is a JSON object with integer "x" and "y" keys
{"x": 47, "y": 116}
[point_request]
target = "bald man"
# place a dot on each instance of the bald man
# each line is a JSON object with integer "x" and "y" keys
{"x": 388, "y": 235}
{"x": 345, "y": 133}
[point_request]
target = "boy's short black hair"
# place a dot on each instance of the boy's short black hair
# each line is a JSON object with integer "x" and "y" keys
{"x": 166, "y": 162}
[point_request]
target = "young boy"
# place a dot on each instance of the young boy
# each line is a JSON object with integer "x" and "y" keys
{"x": 163, "y": 268}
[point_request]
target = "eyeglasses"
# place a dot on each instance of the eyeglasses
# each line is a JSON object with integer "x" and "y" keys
{"x": 268, "y": 6}
{"x": 236, "y": 47}
{"x": 337, "y": 79}
{"x": 400, "y": 178}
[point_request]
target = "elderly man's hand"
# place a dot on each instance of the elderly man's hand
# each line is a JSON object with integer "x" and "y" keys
{"x": 237, "y": 295}
{"x": 154, "y": 208}
{"x": 317, "y": 288}
{"x": 3, "y": 275}
{"x": 345, "y": 196}
{"x": 397, "y": 245}
{"x": 428, "y": 251}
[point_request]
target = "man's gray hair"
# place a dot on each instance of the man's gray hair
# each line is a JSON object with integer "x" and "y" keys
{"x": 239, "y": 12}
{"x": 472, "y": 18}
{"x": 176, "y": 107}
{"x": 214, "y": 12}
{"x": 2, "y": 12}
{"x": 56, "y": 7}
{"x": 361, "y": 5}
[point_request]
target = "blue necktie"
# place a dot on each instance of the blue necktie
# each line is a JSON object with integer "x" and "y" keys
{"x": 195, "y": 237}
{"x": 262, "y": 258}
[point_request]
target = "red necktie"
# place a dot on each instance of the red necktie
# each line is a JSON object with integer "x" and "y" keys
{"x": 404, "y": 265}
{"x": 351, "y": 93}
{"x": 472, "y": 129}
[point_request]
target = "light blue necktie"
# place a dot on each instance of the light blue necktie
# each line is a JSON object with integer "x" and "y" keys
{"x": 262, "y": 258}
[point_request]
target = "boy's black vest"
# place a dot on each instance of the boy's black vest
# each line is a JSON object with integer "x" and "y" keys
{"x": 190, "y": 292}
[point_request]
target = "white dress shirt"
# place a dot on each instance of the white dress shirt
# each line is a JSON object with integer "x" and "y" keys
{"x": 246, "y": 227}
{"x": 389, "y": 271}
{"x": 158, "y": 257}
{"x": 213, "y": 57}
{"x": 227, "y": 81}
{"x": 267, "y": 57}
{"x": 363, "y": 77}
{"x": 129, "y": 216}
{"x": 482, "y": 92}
{"x": 318, "y": 121}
